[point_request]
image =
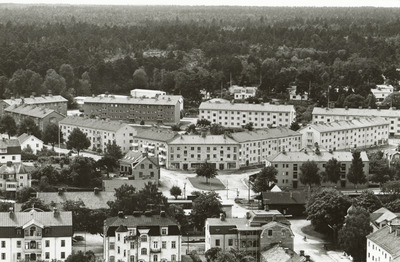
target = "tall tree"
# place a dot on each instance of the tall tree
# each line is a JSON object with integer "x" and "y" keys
{"x": 352, "y": 236}
{"x": 29, "y": 127}
{"x": 140, "y": 79}
{"x": 356, "y": 171}
{"x": 111, "y": 156}
{"x": 368, "y": 200}
{"x": 205, "y": 206}
{"x": 52, "y": 135}
{"x": 332, "y": 171}
{"x": 264, "y": 178}
{"x": 54, "y": 82}
{"x": 8, "y": 125}
{"x": 207, "y": 170}
{"x": 67, "y": 72}
{"x": 309, "y": 174}
{"x": 78, "y": 140}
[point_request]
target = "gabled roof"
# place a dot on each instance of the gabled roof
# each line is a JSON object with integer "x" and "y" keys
{"x": 263, "y": 134}
{"x": 136, "y": 158}
{"x": 284, "y": 198}
{"x": 91, "y": 123}
{"x": 19, "y": 219}
{"x": 341, "y": 156}
{"x": 364, "y": 112}
{"x": 4, "y": 143}
{"x": 383, "y": 214}
{"x": 35, "y": 100}
{"x": 15, "y": 168}
{"x": 22, "y": 138}
{"x": 347, "y": 124}
{"x": 203, "y": 140}
{"x": 157, "y": 134}
{"x": 386, "y": 240}
{"x": 110, "y": 99}
{"x": 122, "y": 228}
{"x": 281, "y": 254}
{"x": 246, "y": 107}
{"x": 31, "y": 110}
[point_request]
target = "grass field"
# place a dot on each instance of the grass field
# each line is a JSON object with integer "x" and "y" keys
{"x": 200, "y": 183}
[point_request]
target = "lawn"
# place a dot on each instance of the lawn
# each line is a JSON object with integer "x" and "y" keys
{"x": 200, "y": 183}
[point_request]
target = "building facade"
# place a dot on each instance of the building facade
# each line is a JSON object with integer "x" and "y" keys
{"x": 42, "y": 116}
{"x": 139, "y": 166}
{"x": 142, "y": 238}
{"x": 100, "y": 132}
{"x": 327, "y": 115}
{"x": 163, "y": 109}
{"x": 383, "y": 244}
{"x": 14, "y": 176}
{"x": 237, "y": 114}
{"x": 30, "y": 141}
{"x": 190, "y": 151}
{"x": 57, "y": 103}
{"x": 347, "y": 134}
{"x": 288, "y": 165}
{"x": 10, "y": 151}
{"x": 35, "y": 235}
{"x": 257, "y": 145}
{"x": 243, "y": 92}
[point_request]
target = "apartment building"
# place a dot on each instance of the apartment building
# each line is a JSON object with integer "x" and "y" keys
{"x": 42, "y": 116}
{"x": 256, "y": 232}
{"x": 14, "y": 176}
{"x": 190, "y": 151}
{"x": 288, "y": 165}
{"x": 139, "y": 166}
{"x": 10, "y": 151}
{"x": 57, "y": 103}
{"x": 142, "y": 237}
{"x": 162, "y": 109}
{"x": 327, "y": 115}
{"x": 30, "y": 141}
{"x": 346, "y": 134}
{"x": 35, "y": 235}
{"x": 100, "y": 132}
{"x": 383, "y": 244}
{"x": 154, "y": 142}
{"x": 238, "y": 114}
{"x": 257, "y": 145}
{"x": 243, "y": 92}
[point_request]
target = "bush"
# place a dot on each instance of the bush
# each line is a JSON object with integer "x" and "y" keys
{"x": 79, "y": 238}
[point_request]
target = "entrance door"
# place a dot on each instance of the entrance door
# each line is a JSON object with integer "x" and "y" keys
{"x": 185, "y": 166}
{"x": 221, "y": 166}
{"x": 32, "y": 257}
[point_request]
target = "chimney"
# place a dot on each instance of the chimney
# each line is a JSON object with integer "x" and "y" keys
{"x": 308, "y": 258}
{"x": 11, "y": 211}
{"x": 266, "y": 208}
{"x": 346, "y": 107}
{"x": 144, "y": 154}
{"x": 378, "y": 108}
{"x": 121, "y": 214}
{"x": 274, "y": 218}
{"x": 148, "y": 213}
{"x": 291, "y": 195}
{"x": 302, "y": 253}
{"x": 163, "y": 214}
{"x": 60, "y": 191}
{"x": 222, "y": 216}
{"x": 32, "y": 96}
{"x": 96, "y": 190}
{"x": 56, "y": 212}
{"x": 393, "y": 108}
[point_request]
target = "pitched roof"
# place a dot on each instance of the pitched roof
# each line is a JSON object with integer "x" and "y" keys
{"x": 281, "y": 254}
{"x": 200, "y": 140}
{"x": 263, "y": 134}
{"x": 157, "y": 134}
{"x": 15, "y": 168}
{"x": 364, "y": 112}
{"x": 142, "y": 220}
{"x": 386, "y": 240}
{"x": 383, "y": 214}
{"x": 324, "y": 156}
{"x": 4, "y": 143}
{"x": 35, "y": 100}
{"x": 92, "y": 123}
{"x": 284, "y": 198}
{"x": 161, "y": 100}
{"x": 45, "y": 218}
{"x": 90, "y": 199}
{"x": 347, "y": 124}
{"x": 137, "y": 157}
{"x": 22, "y": 138}
{"x": 31, "y": 110}
{"x": 265, "y": 107}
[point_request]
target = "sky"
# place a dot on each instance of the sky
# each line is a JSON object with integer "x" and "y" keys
{"x": 346, "y": 3}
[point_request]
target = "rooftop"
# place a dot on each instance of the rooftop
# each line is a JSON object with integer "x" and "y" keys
{"x": 35, "y": 100}
{"x": 364, "y": 112}
{"x": 15, "y": 168}
{"x": 279, "y": 198}
{"x": 110, "y": 99}
{"x": 4, "y": 143}
{"x": 264, "y": 107}
{"x": 263, "y": 134}
{"x": 92, "y": 123}
{"x": 19, "y": 219}
{"x": 386, "y": 240}
{"x": 203, "y": 140}
{"x": 158, "y": 134}
{"x": 30, "y": 110}
{"x": 280, "y": 254}
{"x": 341, "y": 156}
{"x": 22, "y": 138}
{"x": 140, "y": 220}
{"x": 347, "y": 124}
{"x": 137, "y": 157}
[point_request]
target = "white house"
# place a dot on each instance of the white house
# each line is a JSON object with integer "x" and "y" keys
{"x": 243, "y": 92}
{"x": 10, "y": 151}
{"x": 30, "y": 141}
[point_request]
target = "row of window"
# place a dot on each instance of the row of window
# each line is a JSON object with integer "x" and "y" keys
{"x": 155, "y": 258}
{"x": 250, "y": 113}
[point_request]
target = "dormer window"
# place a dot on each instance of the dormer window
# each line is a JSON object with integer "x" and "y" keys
{"x": 164, "y": 231}
{"x": 143, "y": 238}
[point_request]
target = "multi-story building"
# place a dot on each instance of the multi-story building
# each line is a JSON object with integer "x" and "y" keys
{"x": 162, "y": 109}
{"x": 100, "y": 132}
{"x": 42, "y": 116}
{"x": 238, "y": 114}
{"x": 10, "y": 151}
{"x": 346, "y": 134}
{"x": 140, "y": 166}
{"x": 288, "y": 165}
{"x": 57, "y": 103}
{"x": 258, "y": 231}
{"x": 190, "y": 151}
{"x": 30, "y": 141}
{"x": 154, "y": 142}
{"x": 14, "y": 176}
{"x": 35, "y": 235}
{"x": 257, "y": 145}
{"x": 327, "y": 115}
{"x": 142, "y": 237}
{"x": 383, "y": 244}
{"x": 243, "y": 92}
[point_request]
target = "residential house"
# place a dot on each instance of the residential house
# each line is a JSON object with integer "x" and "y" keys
{"x": 347, "y": 134}
{"x": 14, "y": 176}
{"x": 288, "y": 165}
{"x": 30, "y": 141}
{"x": 382, "y": 217}
{"x": 10, "y": 151}
{"x": 57, "y": 103}
{"x": 100, "y": 132}
{"x": 326, "y": 115}
{"x": 42, "y": 116}
{"x": 142, "y": 237}
{"x": 297, "y": 97}
{"x": 243, "y": 92}
{"x": 239, "y": 114}
{"x": 140, "y": 166}
{"x": 383, "y": 244}
{"x": 288, "y": 203}
{"x": 381, "y": 92}
{"x": 190, "y": 151}
{"x": 35, "y": 235}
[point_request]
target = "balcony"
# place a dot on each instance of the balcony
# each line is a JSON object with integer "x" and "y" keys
{"x": 150, "y": 154}
{"x": 155, "y": 250}
{"x": 162, "y": 149}
{"x": 134, "y": 144}
{"x": 150, "y": 147}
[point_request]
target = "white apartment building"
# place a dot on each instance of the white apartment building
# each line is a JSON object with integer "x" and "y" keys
{"x": 326, "y": 115}
{"x": 238, "y": 114}
{"x": 346, "y": 134}
{"x": 10, "y": 151}
{"x": 288, "y": 165}
{"x": 257, "y": 145}
{"x": 35, "y": 235}
{"x": 142, "y": 238}
{"x": 190, "y": 151}
{"x": 383, "y": 244}
{"x": 30, "y": 141}
{"x": 100, "y": 132}
{"x": 243, "y": 92}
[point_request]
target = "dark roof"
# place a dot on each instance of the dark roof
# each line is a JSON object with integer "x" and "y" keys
{"x": 228, "y": 229}
{"x": 90, "y": 199}
{"x": 5, "y": 143}
{"x": 284, "y": 198}
{"x": 122, "y": 228}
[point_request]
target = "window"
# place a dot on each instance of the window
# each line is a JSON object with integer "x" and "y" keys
{"x": 63, "y": 243}
{"x": 47, "y": 243}
{"x": 18, "y": 256}
{"x": 143, "y": 251}
{"x": 164, "y": 244}
{"x": 132, "y": 259}
{"x": 141, "y": 166}
{"x": 173, "y": 257}
{"x": 230, "y": 242}
{"x": 3, "y": 244}
{"x": 269, "y": 233}
{"x": 62, "y": 255}
{"x": 173, "y": 244}
{"x": 155, "y": 258}
{"x": 164, "y": 231}
{"x": 217, "y": 242}
{"x": 155, "y": 244}
{"x": 18, "y": 244}
{"x": 119, "y": 250}
{"x": 132, "y": 245}
{"x": 3, "y": 256}
{"x": 143, "y": 238}
{"x": 47, "y": 255}
{"x": 112, "y": 246}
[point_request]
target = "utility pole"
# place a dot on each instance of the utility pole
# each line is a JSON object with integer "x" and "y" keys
{"x": 248, "y": 195}
{"x": 227, "y": 189}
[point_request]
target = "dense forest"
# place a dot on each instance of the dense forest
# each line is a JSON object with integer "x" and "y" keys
{"x": 84, "y": 50}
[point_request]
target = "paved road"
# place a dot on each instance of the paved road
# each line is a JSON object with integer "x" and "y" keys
{"x": 65, "y": 151}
